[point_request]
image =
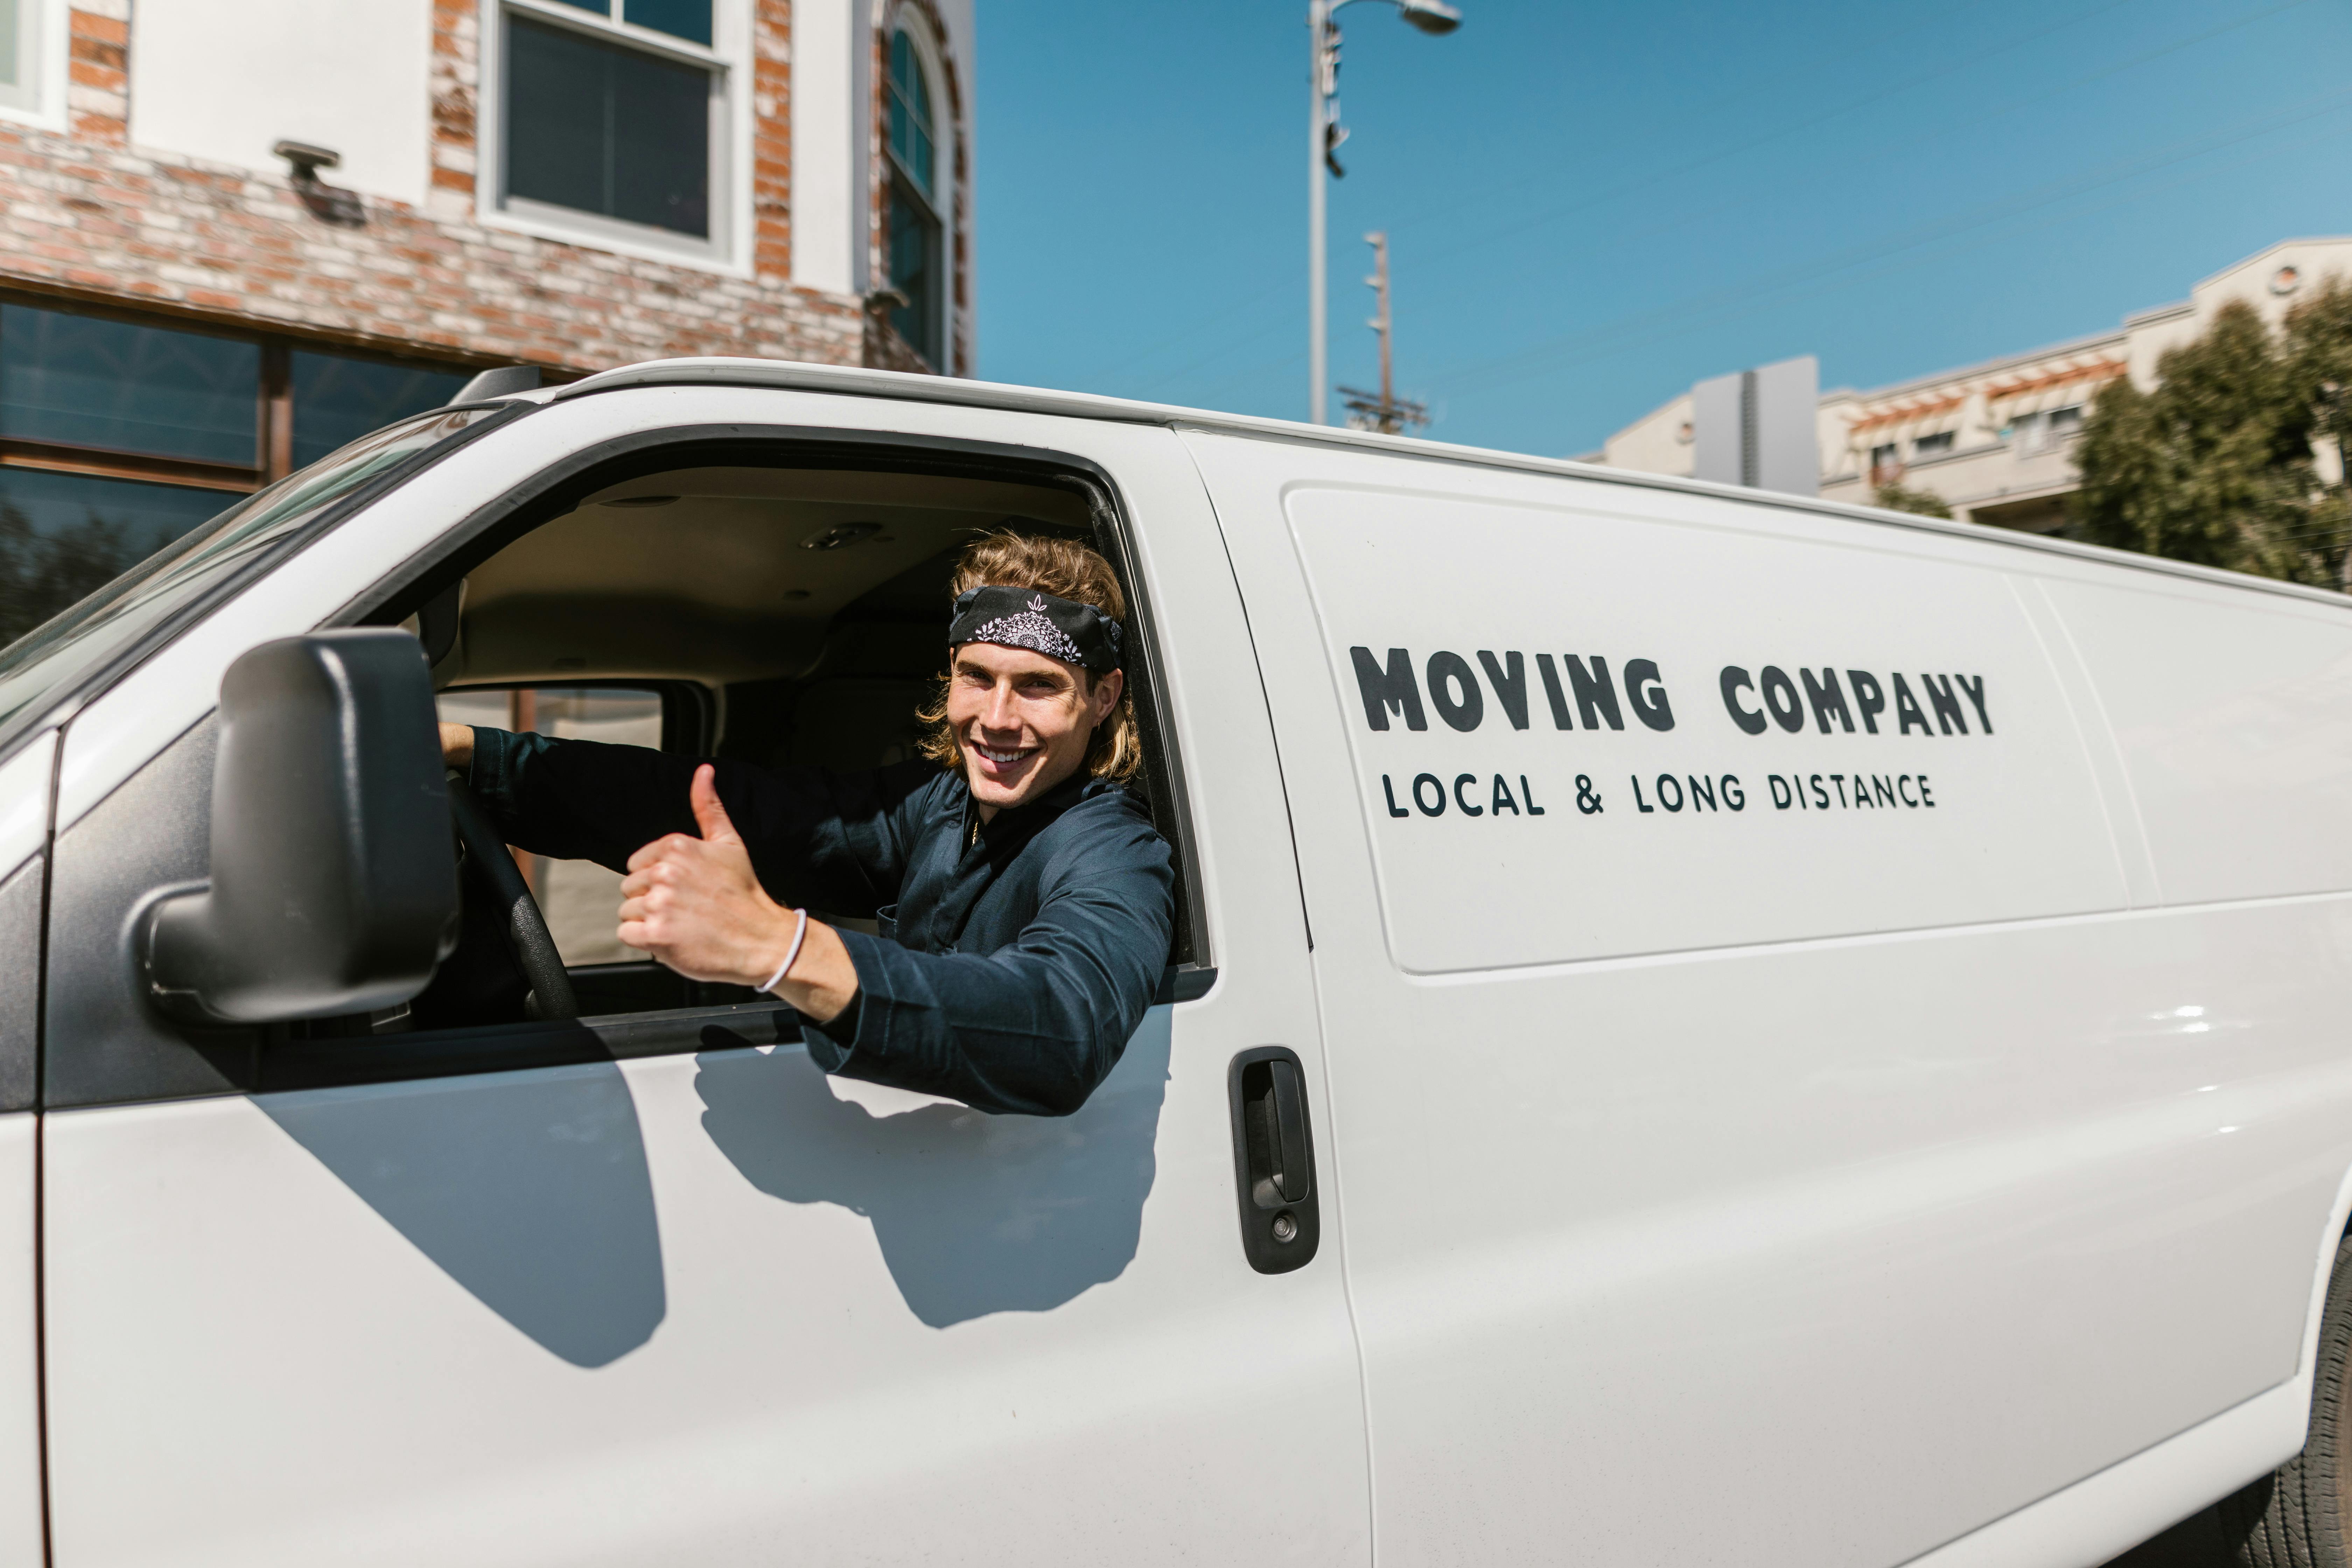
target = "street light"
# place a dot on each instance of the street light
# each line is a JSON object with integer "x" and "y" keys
{"x": 1434, "y": 17}
{"x": 1323, "y": 134}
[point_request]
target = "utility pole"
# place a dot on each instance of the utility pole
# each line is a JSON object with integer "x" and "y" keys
{"x": 1323, "y": 134}
{"x": 1388, "y": 413}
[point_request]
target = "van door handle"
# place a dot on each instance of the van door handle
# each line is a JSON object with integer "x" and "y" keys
{"x": 1293, "y": 1166}
{"x": 1274, "y": 1160}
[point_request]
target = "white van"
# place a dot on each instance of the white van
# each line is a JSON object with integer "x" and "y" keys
{"x": 1704, "y": 1027}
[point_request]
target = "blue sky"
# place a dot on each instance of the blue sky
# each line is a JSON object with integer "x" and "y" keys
{"x": 1590, "y": 206}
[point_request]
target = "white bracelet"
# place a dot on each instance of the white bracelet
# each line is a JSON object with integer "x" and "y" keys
{"x": 800, "y": 935}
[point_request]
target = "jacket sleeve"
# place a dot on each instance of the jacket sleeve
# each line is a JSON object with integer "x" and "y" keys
{"x": 836, "y": 841}
{"x": 1035, "y": 1025}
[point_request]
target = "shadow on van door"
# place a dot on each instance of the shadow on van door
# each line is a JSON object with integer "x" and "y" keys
{"x": 974, "y": 1213}
{"x": 528, "y": 1189}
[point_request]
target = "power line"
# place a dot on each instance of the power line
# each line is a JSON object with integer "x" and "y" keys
{"x": 1684, "y": 324}
{"x": 1212, "y": 357}
{"x": 1675, "y": 330}
{"x": 1750, "y": 144}
{"x": 1744, "y": 143}
{"x": 1873, "y": 249}
{"x": 1682, "y": 217}
{"x": 1944, "y": 131}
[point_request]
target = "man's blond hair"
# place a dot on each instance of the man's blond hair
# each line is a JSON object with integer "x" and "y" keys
{"x": 1067, "y": 570}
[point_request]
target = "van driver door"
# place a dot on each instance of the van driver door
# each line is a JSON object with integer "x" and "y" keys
{"x": 651, "y": 1288}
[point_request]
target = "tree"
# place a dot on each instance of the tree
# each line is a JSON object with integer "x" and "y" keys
{"x": 1893, "y": 497}
{"x": 43, "y": 574}
{"x": 2319, "y": 339}
{"x": 2215, "y": 465}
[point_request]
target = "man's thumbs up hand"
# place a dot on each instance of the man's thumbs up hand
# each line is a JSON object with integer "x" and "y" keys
{"x": 695, "y": 903}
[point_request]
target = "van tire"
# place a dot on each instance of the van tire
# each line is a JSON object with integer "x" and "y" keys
{"x": 2295, "y": 1516}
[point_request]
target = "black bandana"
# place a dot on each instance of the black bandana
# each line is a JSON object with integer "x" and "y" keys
{"x": 1040, "y": 622}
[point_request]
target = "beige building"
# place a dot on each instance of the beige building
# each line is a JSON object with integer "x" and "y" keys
{"x": 1996, "y": 440}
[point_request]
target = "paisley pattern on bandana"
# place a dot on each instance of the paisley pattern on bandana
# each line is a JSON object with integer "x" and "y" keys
{"x": 1031, "y": 630}
{"x": 1040, "y": 622}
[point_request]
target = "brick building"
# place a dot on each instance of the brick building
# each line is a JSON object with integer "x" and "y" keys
{"x": 239, "y": 233}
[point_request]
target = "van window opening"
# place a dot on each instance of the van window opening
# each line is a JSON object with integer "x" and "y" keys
{"x": 793, "y": 616}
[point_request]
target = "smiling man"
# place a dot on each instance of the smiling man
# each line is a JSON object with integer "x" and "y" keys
{"x": 1025, "y": 898}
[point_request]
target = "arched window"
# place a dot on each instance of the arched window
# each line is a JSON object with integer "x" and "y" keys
{"x": 916, "y": 259}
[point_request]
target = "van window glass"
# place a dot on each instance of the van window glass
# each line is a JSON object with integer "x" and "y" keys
{"x": 40, "y": 664}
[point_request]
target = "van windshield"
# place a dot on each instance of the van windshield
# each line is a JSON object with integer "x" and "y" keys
{"x": 44, "y": 664}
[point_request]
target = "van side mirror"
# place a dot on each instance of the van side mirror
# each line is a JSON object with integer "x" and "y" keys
{"x": 334, "y": 870}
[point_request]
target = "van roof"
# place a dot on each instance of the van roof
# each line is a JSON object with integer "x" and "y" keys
{"x": 901, "y": 385}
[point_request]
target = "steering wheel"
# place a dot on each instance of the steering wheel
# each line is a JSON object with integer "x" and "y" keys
{"x": 527, "y": 939}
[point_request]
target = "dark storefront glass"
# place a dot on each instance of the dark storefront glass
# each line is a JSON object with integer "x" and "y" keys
{"x": 135, "y": 401}
{"x": 338, "y": 399}
{"x": 65, "y": 535}
{"x": 602, "y": 128}
{"x": 242, "y": 530}
{"x": 85, "y": 380}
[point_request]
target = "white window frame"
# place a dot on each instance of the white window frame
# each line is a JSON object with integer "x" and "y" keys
{"x": 2035, "y": 433}
{"x": 930, "y": 59}
{"x": 728, "y": 248}
{"x": 43, "y": 43}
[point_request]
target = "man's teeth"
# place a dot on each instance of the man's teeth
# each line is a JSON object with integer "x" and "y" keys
{"x": 1001, "y": 758}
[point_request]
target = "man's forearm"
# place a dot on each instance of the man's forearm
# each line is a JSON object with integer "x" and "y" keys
{"x": 1029, "y": 1030}
{"x": 823, "y": 980}
{"x": 578, "y": 800}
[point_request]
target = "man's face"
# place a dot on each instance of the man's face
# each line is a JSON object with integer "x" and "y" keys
{"x": 1023, "y": 721}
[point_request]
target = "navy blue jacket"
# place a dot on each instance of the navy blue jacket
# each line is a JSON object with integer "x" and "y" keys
{"x": 1017, "y": 955}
